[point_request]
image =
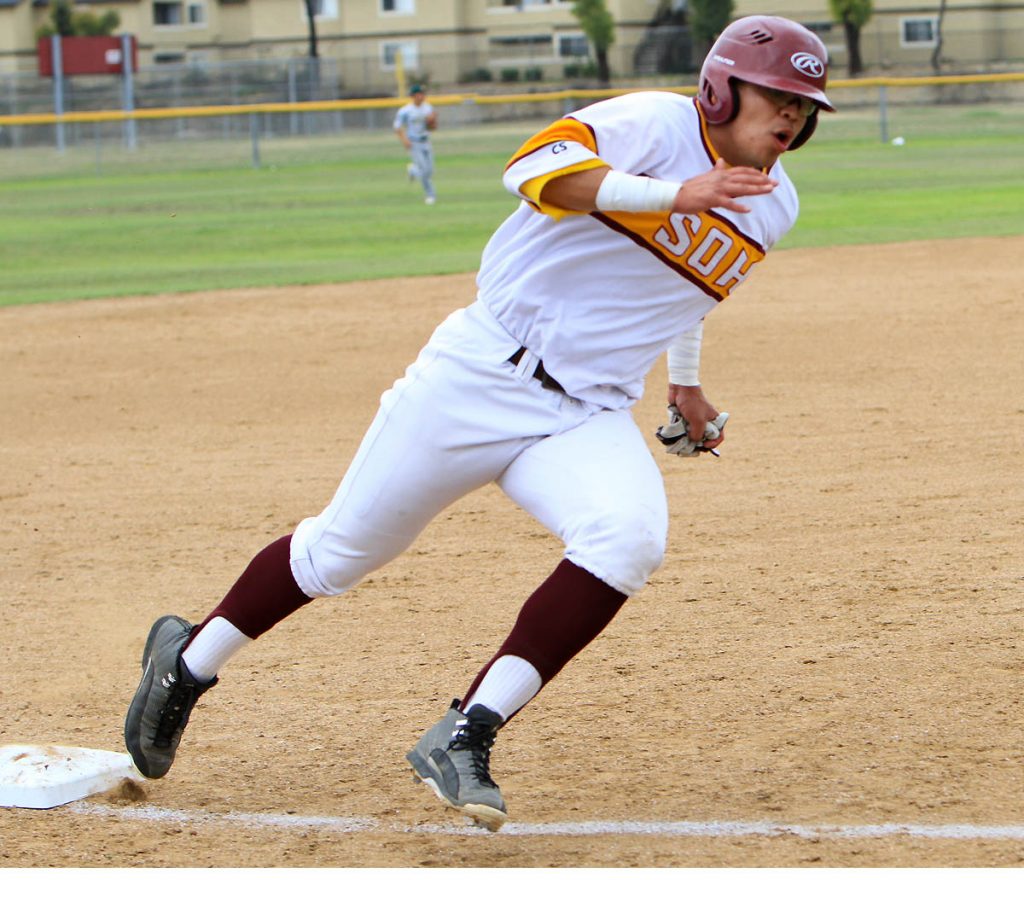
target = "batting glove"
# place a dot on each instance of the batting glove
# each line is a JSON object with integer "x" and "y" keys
{"x": 674, "y": 435}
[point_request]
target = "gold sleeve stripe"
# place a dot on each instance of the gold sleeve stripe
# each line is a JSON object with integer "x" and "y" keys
{"x": 565, "y": 130}
{"x": 532, "y": 189}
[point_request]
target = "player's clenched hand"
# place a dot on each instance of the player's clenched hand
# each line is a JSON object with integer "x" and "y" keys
{"x": 720, "y": 187}
{"x": 697, "y": 410}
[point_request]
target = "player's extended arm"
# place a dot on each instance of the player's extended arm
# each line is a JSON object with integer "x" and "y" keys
{"x": 402, "y": 137}
{"x": 604, "y": 189}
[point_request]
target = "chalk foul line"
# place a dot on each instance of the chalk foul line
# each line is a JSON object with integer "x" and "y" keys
{"x": 690, "y": 829}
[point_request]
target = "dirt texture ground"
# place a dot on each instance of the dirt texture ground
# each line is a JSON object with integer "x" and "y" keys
{"x": 834, "y": 640}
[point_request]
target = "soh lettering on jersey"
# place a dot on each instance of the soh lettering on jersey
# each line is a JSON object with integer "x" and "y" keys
{"x": 704, "y": 248}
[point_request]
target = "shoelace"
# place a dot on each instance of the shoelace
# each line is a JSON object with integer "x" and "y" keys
{"x": 477, "y": 738}
{"x": 174, "y": 715}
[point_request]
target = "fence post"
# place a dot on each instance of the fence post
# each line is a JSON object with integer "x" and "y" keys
{"x": 128, "y": 91}
{"x": 58, "y": 88}
{"x": 254, "y": 131}
{"x": 293, "y": 117}
{"x": 12, "y": 103}
{"x": 98, "y": 158}
{"x": 883, "y": 111}
{"x": 178, "y": 101}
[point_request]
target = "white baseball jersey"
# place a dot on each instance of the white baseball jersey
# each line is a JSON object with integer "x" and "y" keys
{"x": 413, "y": 118}
{"x": 598, "y": 297}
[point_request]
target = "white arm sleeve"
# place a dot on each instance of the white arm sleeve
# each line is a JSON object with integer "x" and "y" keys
{"x": 684, "y": 357}
{"x": 625, "y": 192}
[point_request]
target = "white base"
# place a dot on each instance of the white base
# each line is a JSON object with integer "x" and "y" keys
{"x": 48, "y": 776}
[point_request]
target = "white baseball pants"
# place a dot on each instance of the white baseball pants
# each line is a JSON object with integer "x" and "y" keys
{"x": 463, "y": 416}
{"x": 422, "y": 156}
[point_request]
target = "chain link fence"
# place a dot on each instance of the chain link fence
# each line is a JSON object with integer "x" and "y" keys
{"x": 653, "y": 58}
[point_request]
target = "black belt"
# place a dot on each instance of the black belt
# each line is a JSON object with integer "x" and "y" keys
{"x": 540, "y": 373}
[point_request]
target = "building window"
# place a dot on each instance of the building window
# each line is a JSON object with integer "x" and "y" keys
{"x": 322, "y": 9}
{"x": 524, "y": 4}
{"x": 822, "y": 29}
{"x": 521, "y": 47}
{"x": 573, "y": 46}
{"x": 179, "y": 12}
{"x": 399, "y": 7}
{"x": 167, "y": 13}
{"x": 919, "y": 32}
{"x": 389, "y": 51}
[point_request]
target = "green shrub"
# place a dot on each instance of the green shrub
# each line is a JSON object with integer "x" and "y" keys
{"x": 510, "y": 75}
{"x": 587, "y": 70}
{"x": 68, "y": 23}
{"x": 480, "y": 74}
{"x": 89, "y": 23}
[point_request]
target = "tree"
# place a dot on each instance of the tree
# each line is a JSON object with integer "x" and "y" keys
{"x": 854, "y": 15}
{"x": 669, "y": 12}
{"x": 599, "y": 27}
{"x": 89, "y": 23}
{"x": 69, "y": 24}
{"x": 311, "y": 6}
{"x": 937, "y": 52}
{"x": 60, "y": 21}
{"x": 314, "y": 53}
{"x": 708, "y": 19}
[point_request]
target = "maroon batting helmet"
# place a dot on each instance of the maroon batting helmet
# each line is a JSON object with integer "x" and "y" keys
{"x": 769, "y": 51}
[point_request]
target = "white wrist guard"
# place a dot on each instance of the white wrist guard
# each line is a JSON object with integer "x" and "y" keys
{"x": 625, "y": 192}
{"x": 684, "y": 357}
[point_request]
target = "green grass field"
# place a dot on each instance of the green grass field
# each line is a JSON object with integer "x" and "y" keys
{"x": 171, "y": 217}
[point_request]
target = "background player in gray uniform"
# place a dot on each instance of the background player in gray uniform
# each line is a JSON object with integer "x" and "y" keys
{"x": 637, "y": 216}
{"x": 413, "y": 124}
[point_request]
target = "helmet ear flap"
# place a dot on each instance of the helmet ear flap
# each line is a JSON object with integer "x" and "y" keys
{"x": 734, "y": 99}
{"x": 719, "y": 99}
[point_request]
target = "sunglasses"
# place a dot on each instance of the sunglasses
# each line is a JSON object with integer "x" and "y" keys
{"x": 804, "y": 106}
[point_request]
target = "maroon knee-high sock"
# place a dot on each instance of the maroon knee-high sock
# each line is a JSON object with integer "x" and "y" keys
{"x": 563, "y": 615}
{"x": 265, "y": 594}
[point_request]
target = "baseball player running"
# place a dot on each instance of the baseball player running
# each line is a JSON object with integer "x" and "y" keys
{"x": 413, "y": 123}
{"x": 637, "y": 216}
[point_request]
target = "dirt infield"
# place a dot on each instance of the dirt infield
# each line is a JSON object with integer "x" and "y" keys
{"x": 833, "y": 644}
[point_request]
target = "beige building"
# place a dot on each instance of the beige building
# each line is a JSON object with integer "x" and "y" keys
{"x": 451, "y": 42}
{"x": 900, "y": 38}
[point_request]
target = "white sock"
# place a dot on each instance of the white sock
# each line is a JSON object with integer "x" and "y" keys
{"x": 212, "y": 647}
{"x": 507, "y": 687}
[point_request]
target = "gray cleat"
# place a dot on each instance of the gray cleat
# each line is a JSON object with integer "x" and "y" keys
{"x": 453, "y": 758}
{"x": 161, "y": 706}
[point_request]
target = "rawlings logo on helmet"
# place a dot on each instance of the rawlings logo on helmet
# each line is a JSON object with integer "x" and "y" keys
{"x": 808, "y": 64}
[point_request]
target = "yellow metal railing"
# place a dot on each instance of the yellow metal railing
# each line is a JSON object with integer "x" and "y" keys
{"x": 227, "y": 110}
